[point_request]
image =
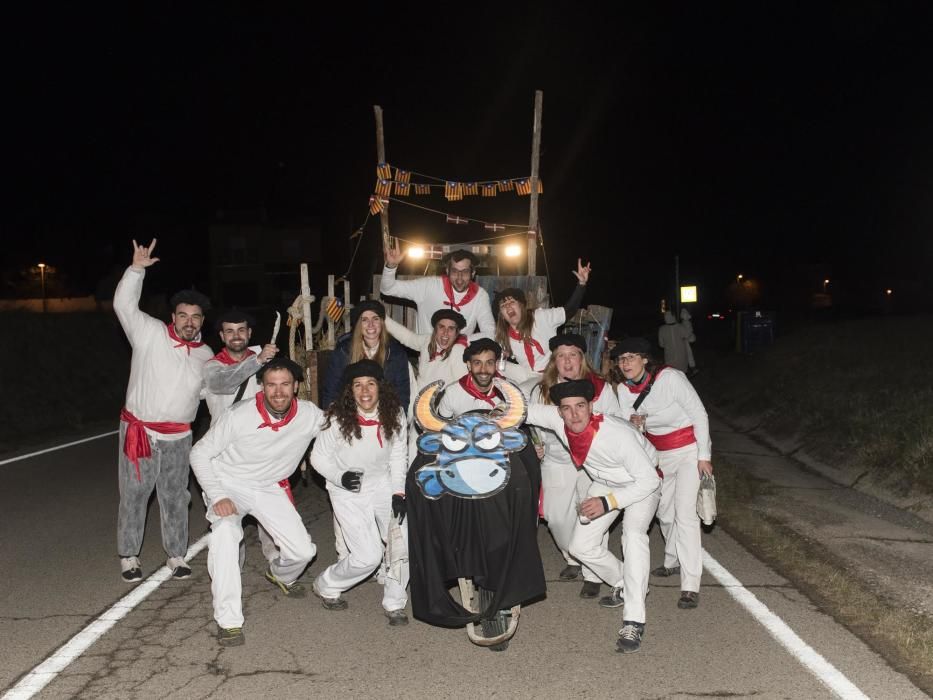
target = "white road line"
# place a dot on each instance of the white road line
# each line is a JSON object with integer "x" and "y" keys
{"x": 45, "y": 672}
{"x": 57, "y": 447}
{"x": 828, "y": 674}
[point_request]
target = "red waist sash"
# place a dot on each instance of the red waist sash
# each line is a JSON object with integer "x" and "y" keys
{"x": 136, "y": 444}
{"x": 672, "y": 440}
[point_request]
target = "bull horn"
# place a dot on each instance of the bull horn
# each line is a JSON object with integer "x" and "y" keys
{"x": 425, "y": 416}
{"x": 514, "y": 413}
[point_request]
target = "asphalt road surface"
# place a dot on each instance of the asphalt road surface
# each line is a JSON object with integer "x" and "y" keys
{"x": 60, "y": 573}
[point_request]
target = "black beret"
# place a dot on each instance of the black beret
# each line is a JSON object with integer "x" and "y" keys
{"x": 482, "y": 345}
{"x": 281, "y": 363}
{"x": 362, "y": 368}
{"x": 234, "y": 315}
{"x": 574, "y": 339}
{"x": 450, "y": 315}
{"x": 368, "y": 305}
{"x": 517, "y": 294}
{"x": 638, "y": 346}
{"x": 578, "y": 387}
{"x": 190, "y": 296}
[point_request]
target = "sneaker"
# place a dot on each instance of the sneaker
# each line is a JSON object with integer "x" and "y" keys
{"x": 179, "y": 567}
{"x": 570, "y": 572}
{"x": 397, "y": 618}
{"x": 130, "y": 568}
{"x": 590, "y": 589}
{"x": 614, "y": 599}
{"x": 664, "y": 572}
{"x": 230, "y": 636}
{"x": 630, "y": 637}
{"x": 337, "y": 603}
{"x": 688, "y": 600}
{"x": 291, "y": 590}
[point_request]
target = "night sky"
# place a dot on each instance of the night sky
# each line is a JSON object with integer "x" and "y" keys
{"x": 760, "y": 139}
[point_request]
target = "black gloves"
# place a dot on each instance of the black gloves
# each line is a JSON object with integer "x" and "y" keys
{"x": 399, "y": 507}
{"x": 351, "y": 481}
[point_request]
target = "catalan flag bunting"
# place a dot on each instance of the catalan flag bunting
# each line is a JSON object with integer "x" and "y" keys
{"x": 506, "y": 185}
{"x": 384, "y": 171}
{"x": 377, "y": 204}
{"x": 335, "y": 309}
{"x": 383, "y": 188}
{"x": 402, "y": 188}
{"x": 422, "y": 189}
{"x": 453, "y": 191}
{"x": 522, "y": 187}
{"x": 489, "y": 189}
{"x": 470, "y": 188}
{"x": 402, "y": 175}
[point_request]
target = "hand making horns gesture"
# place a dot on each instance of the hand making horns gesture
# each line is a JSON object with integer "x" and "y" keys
{"x": 394, "y": 255}
{"x": 142, "y": 256}
{"x": 582, "y": 272}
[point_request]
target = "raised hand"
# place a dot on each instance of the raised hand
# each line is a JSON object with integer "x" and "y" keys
{"x": 142, "y": 256}
{"x": 268, "y": 352}
{"x": 582, "y": 272}
{"x": 394, "y": 255}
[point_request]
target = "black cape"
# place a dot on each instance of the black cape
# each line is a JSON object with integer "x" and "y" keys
{"x": 493, "y": 540}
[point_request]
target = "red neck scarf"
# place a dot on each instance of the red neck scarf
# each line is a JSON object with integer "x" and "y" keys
{"x": 598, "y": 384}
{"x": 365, "y": 422}
{"x": 187, "y": 344}
{"x": 136, "y": 443}
{"x": 580, "y": 442}
{"x": 530, "y": 346}
{"x": 267, "y": 421}
{"x": 223, "y": 357}
{"x": 461, "y": 340}
{"x": 640, "y": 387}
{"x": 466, "y": 381}
{"x": 471, "y": 291}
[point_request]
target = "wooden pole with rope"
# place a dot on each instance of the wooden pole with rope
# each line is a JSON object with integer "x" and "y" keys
{"x": 381, "y": 156}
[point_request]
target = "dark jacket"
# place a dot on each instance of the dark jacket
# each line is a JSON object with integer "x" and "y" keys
{"x": 395, "y": 369}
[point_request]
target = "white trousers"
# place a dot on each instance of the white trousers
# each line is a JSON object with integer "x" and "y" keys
{"x": 677, "y": 514}
{"x": 564, "y": 487}
{"x": 276, "y": 513}
{"x": 364, "y": 523}
{"x": 587, "y": 543}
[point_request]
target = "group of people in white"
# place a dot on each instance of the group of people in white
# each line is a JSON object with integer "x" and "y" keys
{"x": 635, "y": 441}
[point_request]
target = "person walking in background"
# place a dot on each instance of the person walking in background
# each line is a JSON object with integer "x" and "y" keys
{"x": 686, "y": 320}
{"x": 673, "y": 340}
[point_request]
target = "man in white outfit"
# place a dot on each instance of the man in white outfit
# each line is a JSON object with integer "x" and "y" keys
{"x": 622, "y": 465}
{"x": 475, "y": 389}
{"x": 239, "y": 464}
{"x": 455, "y": 290}
{"x": 162, "y": 399}
{"x": 672, "y": 337}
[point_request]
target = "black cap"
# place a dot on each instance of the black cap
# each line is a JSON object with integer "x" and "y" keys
{"x": 578, "y": 387}
{"x": 638, "y": 346}
{"x": 450, "y": 315}
{"x": 362, "y": 368}
{"x": 574, "y": 339}
{"x": 234, "y": 315}
{"x": 517, "y": 294}
{"x": 368, "y": 305}
{"x": 481, "y": 345}
{"x": 281, "y": 363}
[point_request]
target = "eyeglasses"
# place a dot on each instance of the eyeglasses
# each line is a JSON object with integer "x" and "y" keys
{"x": 459, "y": 273}
{"x": 628, "y": 358}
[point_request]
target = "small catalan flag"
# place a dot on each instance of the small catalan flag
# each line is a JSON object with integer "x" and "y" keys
{"x": 383, "y": 188}
{"x": 384, "y": 171}
{"x": 402, "y": 189}
{"x": 470, "y": 188}
{"x": 402, "y": 175}
{"x": 489, "y": 189}
{"x": 506, "y": 185}
{"x": 453, "y": 191}
{"x": 422, "y": 189}
{"x": 335, "y": 309}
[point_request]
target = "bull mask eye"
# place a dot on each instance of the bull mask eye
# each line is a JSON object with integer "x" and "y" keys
{"x": 490, "y": 442}
{"x": 453, "y": 444}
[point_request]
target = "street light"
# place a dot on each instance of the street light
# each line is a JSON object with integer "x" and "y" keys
{"x": 513, "y": 251}
{"x": 42, "y": 275}
{"x": 740, "y": 278}
{"x": 825, "y": 285}
{"x": 416, "y": 252}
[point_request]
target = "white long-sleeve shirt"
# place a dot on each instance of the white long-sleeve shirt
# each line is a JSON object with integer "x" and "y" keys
{"x": 428, "y": 294}
{"x": 235, "y": 447}
{"x": 165, "y": 380}
{"x": 456, "y": 401}
{"x": 222, "y": 382}
{"x": 333, "y": 455}
{"x": 448, "y": 369}
{"x": 545, "y": 326}
{"x": 620, "y": 459}
{"x": 671, "y": 404}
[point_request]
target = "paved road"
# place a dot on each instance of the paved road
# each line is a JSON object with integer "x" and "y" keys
{"x": 57, "y": 516}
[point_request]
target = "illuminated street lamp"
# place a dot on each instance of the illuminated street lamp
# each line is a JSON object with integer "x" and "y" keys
{"x": 739, "y": 278}
{"x": 825, "y": 285}
{"x": 889, "y": 292}
{"x": 42, "y": 275}
{"x": 513, "y": 251}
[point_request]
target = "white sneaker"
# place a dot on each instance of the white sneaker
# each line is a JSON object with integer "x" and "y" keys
{"x": 179, "y": 567}
{"x": 131, "y": 571}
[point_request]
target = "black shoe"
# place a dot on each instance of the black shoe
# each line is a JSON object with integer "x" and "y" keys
{"x": 630, "y": 637}
{"x": 613, "y": 600}
{"x": 397, "y": 618}
{"x": 688, "y": 600}
{"x": 570, "y": 572}
{"x": 664, "y": 572}
{"x": 590, "y": 589}
{"x": 231, "y": 637}
{"x": 130, "y": 571}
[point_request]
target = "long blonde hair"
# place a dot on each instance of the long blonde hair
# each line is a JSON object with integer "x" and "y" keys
{"x": 550, "y": 377}
{"x": 358, "y": 348}
{"x": 525, "y": 326}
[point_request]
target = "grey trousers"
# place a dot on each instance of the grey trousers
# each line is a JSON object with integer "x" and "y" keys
{"x": 167, "y": 472}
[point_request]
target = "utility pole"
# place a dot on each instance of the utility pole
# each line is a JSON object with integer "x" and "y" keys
{"x": 533, "y": 214}
{"x": 676, "y": 305}
{"x": 381, "y": 155}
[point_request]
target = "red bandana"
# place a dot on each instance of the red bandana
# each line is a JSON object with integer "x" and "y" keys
{"x": 136, "y": 443}
{"x": 466, "y": 381}
{"x": 580, "y": 442}
{"x": 638, "y": 388}
{"x": 461, "y": 340}
{"x": 367, "y": 422}
{"x": 471, "y": 292}
{"x": 598, "y": 384}
{"x": 530, "y": 346}
{"x": 267, "y": 419}
{"x": 181, "y": 343}
{"x": 223, "y": 357}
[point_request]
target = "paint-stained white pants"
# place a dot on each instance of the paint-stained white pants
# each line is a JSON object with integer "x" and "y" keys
{"x": 564, "y": 487}
{"x": 587, "y": 545}
{"x": 677, "y": 514}
{"x": 364, "y": 522}
{"x": 271, "y": 506}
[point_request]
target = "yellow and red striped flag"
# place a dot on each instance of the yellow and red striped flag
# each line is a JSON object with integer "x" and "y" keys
{"x": 470, "y": 188}
{"x": 383, "y": 188}
{"x": 335, "y": 309}
{"x": 402, "y": 189}
{"x": 489, "y": 189}
{"x": 421, "y": 188}
{"x": 384, "y": 171}
{"x": 402, "y": 175}
{"x": 506, "y": 185}
{"x": 453, "y": 191}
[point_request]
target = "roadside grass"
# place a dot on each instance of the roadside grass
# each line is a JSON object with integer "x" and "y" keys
{"x": 856, "y": 395}
{"x": 903, "y": 637}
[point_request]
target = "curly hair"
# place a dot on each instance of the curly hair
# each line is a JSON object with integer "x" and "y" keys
{"x": 343, "y": 411}
{"x": 550, "y": 377}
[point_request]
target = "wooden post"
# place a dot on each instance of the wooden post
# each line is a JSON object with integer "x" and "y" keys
{"x": 330, "y": 322}
{"x": 310, "y": 355}
{"x": 533, "y": 215}
{"x": 346, "y": 306}
{"x": 381, "y": 155}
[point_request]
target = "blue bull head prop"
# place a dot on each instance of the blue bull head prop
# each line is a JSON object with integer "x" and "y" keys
{"x": 473, "y": 449}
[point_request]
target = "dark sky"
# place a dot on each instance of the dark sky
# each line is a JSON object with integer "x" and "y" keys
{"x": 755, "y": 139}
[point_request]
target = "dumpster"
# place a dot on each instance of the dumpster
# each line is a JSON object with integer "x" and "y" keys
{"x": 754, "y": 330}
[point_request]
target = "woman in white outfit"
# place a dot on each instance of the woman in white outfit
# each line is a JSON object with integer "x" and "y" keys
{"x": 675, "y": 422}
{"x": 440, "y": 352}
{"x": 362, "y": 452}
